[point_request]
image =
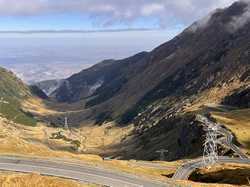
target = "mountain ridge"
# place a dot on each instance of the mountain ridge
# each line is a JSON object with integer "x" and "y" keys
{"x": 158, "y": 93}
{"x": 195, "y": 60}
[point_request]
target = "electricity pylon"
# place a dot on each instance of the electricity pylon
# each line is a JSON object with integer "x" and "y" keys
{"x": 66, "y": 126}
{"x": 210, "y": 153}
{"x": 162, "y": 154}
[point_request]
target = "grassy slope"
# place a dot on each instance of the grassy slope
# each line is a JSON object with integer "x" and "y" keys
{"x": 236, "y": 174}
{"x": 8, "y": 179}
{"x": 238, "y": 121}
{"x": 21, "y": 140}
{"x": 13, "y": 91}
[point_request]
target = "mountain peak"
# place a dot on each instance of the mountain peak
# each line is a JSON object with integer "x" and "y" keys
{"x": 230, "y": 19}
{"x": 204, "y": 57}
{"x": 240, "y": 15}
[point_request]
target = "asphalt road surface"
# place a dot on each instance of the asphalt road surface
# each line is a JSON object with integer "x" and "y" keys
{"x": 91, "y": 174}
{"x": 80, "y": 172}
{"x": 227, "y": 140}
{"x": 185, "y": 171}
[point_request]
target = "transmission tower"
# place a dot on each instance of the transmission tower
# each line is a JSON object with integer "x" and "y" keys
{"x": 210, "y": 152}
{"x": 162, "y": 154}
{"x": 66, "y": 126}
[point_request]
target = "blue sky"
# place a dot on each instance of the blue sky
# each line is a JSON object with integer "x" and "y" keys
{"x": 70, "y": 21}
{"x": 103, "y": 14}
{"x": 41, "y": 56}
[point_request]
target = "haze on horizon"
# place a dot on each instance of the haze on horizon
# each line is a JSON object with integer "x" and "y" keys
{"x": 120, "y": 29}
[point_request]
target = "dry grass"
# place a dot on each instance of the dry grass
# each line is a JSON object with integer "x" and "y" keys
{"x": 237, "y": 174}
{"x": 99, "y": 138}
{"x": 8, "y": 179}
{"x": 214, "y": 95}
{"x": 137, "y": 168}
{"x": 16, "y": 139}
{"x": 238, "y": 121}
{"x": 33, "y": 141}
{"x": 36, "y": 106}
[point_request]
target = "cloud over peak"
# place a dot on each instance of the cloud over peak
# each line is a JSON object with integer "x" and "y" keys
{"x": 240, "y": 20}
{"x": 111, "y": 12}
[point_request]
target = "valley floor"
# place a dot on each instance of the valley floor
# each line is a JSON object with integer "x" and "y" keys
{"x": 20, "y": 140}
{"x": 86, "y": 142}
{"x": 76, "y": 143}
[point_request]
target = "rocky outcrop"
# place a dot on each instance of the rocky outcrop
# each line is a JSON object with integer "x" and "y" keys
{"x": 240, "y": 98}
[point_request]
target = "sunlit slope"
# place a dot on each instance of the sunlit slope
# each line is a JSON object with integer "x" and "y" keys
{"x": 12, "y": 92}
{"x": 238, "y": 121}
{"x": 16, "y": 139}
{"x": 8, "y": 179}
{"x": 235, "y": 174}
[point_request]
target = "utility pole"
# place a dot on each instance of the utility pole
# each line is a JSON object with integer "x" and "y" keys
{"x": 66, "y": 126}
{"x": 162, "y": 153}
{"x": 1, "y": 101}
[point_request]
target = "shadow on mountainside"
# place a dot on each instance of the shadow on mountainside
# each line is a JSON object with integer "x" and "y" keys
{"x": 235, "y": 176}
{"x": 181, "y": 137}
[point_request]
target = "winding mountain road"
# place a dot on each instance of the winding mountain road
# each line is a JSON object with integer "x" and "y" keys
{"x": 227, "y": 140}
{"x": 186, "y": 170}
{"x": 228, "y": 137}
{"x": 80, "y": 172}
{"x": 91, "y": 174}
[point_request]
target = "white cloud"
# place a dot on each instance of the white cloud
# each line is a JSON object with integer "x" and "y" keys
{"x": 150, "y": 9}
{"x": 239, "y": 21}
{"x": 116, "y": 11}
{"x": 21, "y": 7}
{"x": 202, "y": 23}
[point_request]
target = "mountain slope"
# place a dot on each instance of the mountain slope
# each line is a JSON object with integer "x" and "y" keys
{"x": 203, "y": 57}
{"x": 157, "y": 94}
{"x": 101, "y": 81}
{"x": 11, "y": 86}
{"x": 49, "y": 86}
{"x": 161, "y": 91}
{"x": 12, "y": 92}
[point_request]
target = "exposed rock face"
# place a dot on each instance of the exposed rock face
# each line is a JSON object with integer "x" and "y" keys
{"x": 241, "y": 98}
{"x": 180, "y": 136}
{"x": 49, "y": 86}
{"x": 109, "y": 75}
{"x": 38, "y": 92}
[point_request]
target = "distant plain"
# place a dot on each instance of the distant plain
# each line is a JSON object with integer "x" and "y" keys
{"x": 44, "y": 56}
